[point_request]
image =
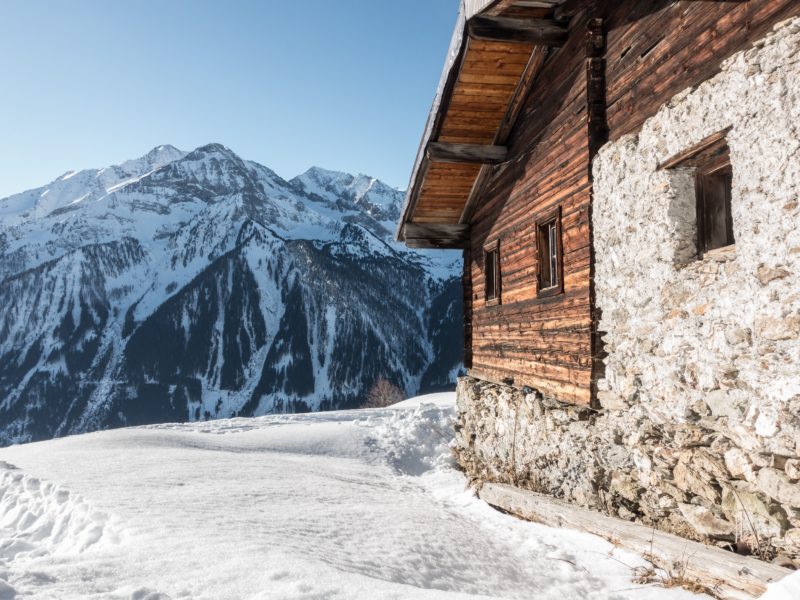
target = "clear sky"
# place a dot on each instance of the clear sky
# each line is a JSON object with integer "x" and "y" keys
{"x": 341, "y": 84}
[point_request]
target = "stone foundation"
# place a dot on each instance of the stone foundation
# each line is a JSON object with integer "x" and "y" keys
{"x": 686, "y": 478}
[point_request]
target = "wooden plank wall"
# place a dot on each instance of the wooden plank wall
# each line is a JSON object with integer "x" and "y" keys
{"x": 542, "y": 343}
{"x": 655, "y": 49}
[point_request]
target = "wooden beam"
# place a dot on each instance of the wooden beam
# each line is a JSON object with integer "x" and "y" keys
{"x": 707, "y": 144}
{"x": 598, "y": 131}
{"x": 459, "y": 44}
{"x": 532, "y": 69}
{"x": 499, "y": 7}
{"x": 437, "y": 230}
{"x": 466, "y": 153}
{"x": 436, "y": 244}
{"x": 526, "y": 82}
{"x": 436, "y": 235}
{"x": 544, "y": 32}
{"x": 568, "y": 9}
{"x": 726, "y": 574}
{"x": 597, "y": 115}
{"x": 475, "y": 193}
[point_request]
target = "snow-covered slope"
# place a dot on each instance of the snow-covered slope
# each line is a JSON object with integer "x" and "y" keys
{"x": 345, "y": 191}
{"x": 340, "y": 505}
{"x": 76, "y": 187}
{"x": 187, "y": 286}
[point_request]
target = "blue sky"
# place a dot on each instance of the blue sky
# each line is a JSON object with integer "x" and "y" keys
{"x": 342, "y": 84}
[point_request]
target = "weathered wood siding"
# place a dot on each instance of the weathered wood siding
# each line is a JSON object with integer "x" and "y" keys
{"x": 655, "y": 49}
{"x": 544, "y": 343}
{"x": 658, "y": 48}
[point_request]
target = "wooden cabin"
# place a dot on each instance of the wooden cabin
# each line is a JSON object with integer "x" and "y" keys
{"x": 623, "y": 177}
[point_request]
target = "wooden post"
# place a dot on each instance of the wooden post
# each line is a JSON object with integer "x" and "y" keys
{"x": 598, "y": 135}
{"x": 596, "y": 85}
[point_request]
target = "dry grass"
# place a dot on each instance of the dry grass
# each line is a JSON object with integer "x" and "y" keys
{"x": 673, "y": 578}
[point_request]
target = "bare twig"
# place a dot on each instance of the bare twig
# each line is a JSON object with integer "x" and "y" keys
{"x": 762, "y": 554}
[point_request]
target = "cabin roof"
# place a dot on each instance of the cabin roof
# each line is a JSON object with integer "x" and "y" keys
{"x": 497, "y": 49}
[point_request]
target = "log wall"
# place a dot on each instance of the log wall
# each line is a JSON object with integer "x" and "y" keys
{"x": 658, "y": 48}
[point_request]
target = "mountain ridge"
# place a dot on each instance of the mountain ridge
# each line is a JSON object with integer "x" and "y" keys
{"x": 271, "y": 295}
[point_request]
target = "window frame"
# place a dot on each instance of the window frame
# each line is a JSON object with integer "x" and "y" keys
{"x": 708, "y": 157}
{"x": 492, "y": 249}
{"x": 544, "y": 221}
{"x": 721, "y": 165}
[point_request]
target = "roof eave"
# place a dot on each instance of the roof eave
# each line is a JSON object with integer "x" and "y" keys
{"x": 447, "y": 82}
{"x": 453, "y": 52}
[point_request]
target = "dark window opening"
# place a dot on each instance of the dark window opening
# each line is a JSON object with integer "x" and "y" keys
{"x": 492, "y": 273}
{"x": 548, "y": 236}
{"x": 714, "y": 220}
{"x": 710, "y": 159}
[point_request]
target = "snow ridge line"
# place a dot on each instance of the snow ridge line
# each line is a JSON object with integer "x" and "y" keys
{"x": 39, "y": 518}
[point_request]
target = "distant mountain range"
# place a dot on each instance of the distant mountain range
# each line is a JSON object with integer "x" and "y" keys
{"x": 188, "y": 286}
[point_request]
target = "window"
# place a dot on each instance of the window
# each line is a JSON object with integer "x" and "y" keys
{"x": 714, "y": 222}
{"x": 491, "y": 258}
{"x": 710, "y": 160}
{"x": 548, "y": 245}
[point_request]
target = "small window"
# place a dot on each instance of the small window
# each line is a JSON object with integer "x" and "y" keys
{"x": 714, "y": 221}
{"x": 492, "y": 272}
{"x": 548, "y": 241}
{"x": 710, "y": 159}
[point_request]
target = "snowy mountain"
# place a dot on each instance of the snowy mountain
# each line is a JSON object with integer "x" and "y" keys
{"x": 188, "y": 286}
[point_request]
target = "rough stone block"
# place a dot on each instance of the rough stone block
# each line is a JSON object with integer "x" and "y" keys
{"x": 778, "y": 329}
{"x": 738, "y": 463}
{"x": 792, "y": 468}
{"x": 777, "y": 485}
{"x": 766, "y": 274}
{"x": 703, "y": 521}
{"x": 727, "y": 403}
{"x": 611, "y": 401}
{"x": 743, "y": 504}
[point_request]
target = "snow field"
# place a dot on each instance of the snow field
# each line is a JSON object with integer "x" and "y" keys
{"x": 341, "y": 505}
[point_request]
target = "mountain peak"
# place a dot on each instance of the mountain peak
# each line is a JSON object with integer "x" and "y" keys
{"x": 215, "y": 148}
{"x": 165, "y": 150}
{"x": 326, "y": 174}
{"x": 359, "y": 191}
{"x": 206, "y": 273}
{"x": 155, "y": 159}
{"x": 336, "y": 182}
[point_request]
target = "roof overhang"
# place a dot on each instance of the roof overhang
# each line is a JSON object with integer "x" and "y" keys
{"x": 498, "y": 48}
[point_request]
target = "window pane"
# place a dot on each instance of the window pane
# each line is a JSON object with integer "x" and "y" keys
{"x": 714, "y": 220}
{"x": 491, "y": 275}
{"x": 553, "y": 254}
{"x": 548, "y": 255}
{"x": 548, "y": 245}
{"x": 545, "y": 265}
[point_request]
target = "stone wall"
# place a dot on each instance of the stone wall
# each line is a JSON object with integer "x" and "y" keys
{"x": 699, "y": 431}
